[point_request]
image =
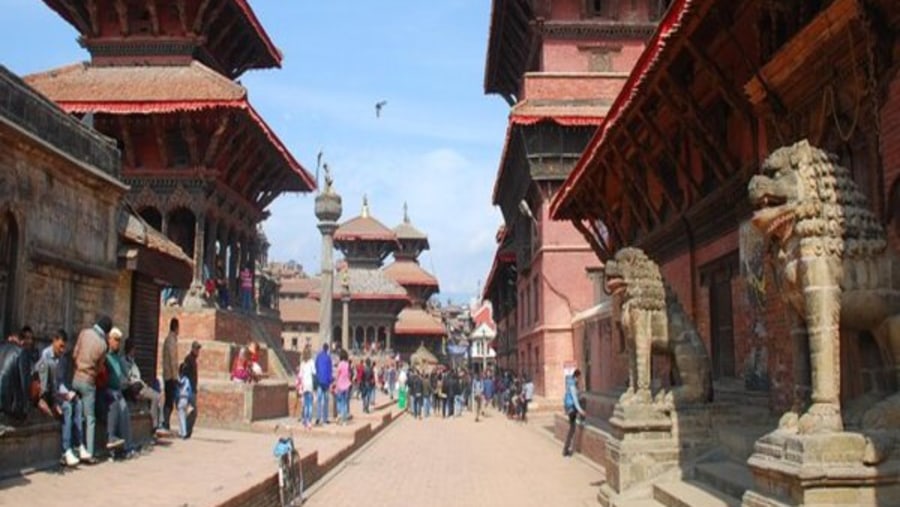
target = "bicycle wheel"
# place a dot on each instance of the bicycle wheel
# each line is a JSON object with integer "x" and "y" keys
{"x": 297, "y": 469}
{"x": 285, "y": 481}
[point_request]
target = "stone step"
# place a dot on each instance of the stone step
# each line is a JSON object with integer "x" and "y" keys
{"x": 728, "y": 477}
{"x": 687, "y": 493}
{"x": 737, "y": 441}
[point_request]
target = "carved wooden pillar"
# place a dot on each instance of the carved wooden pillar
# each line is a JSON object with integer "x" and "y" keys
{"x": 212, "y": 234}
{"x": 233, "y": 253}
{"x": 199, "y": 246}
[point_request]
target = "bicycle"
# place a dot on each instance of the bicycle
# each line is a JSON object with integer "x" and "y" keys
{"x": 290, "y": 472}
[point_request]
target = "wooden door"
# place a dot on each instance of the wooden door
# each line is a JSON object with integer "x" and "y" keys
{"x": 721, "y": 324}
{"x": 8, "y": 255}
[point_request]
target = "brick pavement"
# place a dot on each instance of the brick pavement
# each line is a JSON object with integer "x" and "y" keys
{"x": 453, "y": 462}
{"x": 209, "y": 469}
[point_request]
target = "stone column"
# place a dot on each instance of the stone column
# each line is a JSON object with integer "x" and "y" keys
{"x": 194, "y": 298}
{"x": 328, "y": 211}
{"x": 235, "y": 253}
{"x": 345, "y": 320}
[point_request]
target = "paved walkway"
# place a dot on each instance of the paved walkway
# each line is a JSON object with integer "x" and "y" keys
{"x": 453, "y": 462}
{"x": 210, "y": 468}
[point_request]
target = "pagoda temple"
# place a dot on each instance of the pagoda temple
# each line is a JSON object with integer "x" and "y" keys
{"x": 374, "y": 299}
{"x": 415, "y": 325}
{"x": 201, "y": 163}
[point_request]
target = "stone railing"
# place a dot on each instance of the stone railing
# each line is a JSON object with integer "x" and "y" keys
{"x": 37, "y": 115}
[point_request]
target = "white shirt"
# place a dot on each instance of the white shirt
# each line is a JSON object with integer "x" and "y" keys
{"x": 306, "y": 375}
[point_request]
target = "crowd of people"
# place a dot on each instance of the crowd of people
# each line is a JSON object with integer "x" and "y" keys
{"x": 94, "y": 377}
{"x": 422, "y": 391}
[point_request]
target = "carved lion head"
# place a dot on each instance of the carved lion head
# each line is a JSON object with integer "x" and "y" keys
{"x": 631, "y": 276}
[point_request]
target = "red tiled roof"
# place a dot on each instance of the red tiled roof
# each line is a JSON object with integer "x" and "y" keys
{"x": 406, "y": 231}
{"x": 138, "y": 231}
{"x": 303, "y": 310}
{"x": 84, "y": 88}
{"x": 500, "y": 257}
{"x": 657, "y": 47}
{"x": 484, "y": 315}
{"x": 264, "y": 37}
{"x": 174, "y": 87}
{"x": 364, "y": 228}
{"x": 408, "y": 272}
{"x": 304, "y": 285}
{"x": 418, "y": 322}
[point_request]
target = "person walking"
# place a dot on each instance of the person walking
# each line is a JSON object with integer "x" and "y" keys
{"x": 90, "y": 374}
{"x": 527, "y": 396}
{"x": 189, "y": 370}
{"x": 306, "y": 376}
{"x": 246, "y": 288}
{"x": 342, "y": 386}
{"x": 323, "y": 384}
{"x": 572, "y": 404}
{"x": 170, "y": 372}
{"x": 478, "y": 394}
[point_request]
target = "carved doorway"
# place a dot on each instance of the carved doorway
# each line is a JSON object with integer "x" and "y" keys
{"x": 717, "y": 277}
{"x": 9, "y": 246}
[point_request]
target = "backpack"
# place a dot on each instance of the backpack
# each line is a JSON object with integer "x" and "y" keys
{"x": 568, "y": 402}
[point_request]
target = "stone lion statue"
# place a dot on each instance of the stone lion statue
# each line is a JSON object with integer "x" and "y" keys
{"x": 653, "y": 320}
{"x": 834, "y": 271}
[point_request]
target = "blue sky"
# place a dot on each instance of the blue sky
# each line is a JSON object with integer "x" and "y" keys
{"x": 436, "y": 146}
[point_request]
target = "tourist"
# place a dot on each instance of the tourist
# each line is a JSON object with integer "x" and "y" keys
{"x": 306, "y": 375}
{"x": 240, "y": 368}
{"x": 256, "y": 371}
{"x": 70, "y": 405}
{"x": 357, "y": 376}
{"x": 368, "y": 385}
{"x": 222, "y": 287}
{"x": 487, "y": 384}
{"x": 49, "y": 401}
{"x": 170, "y": 371}
{"x": 90, "y": 375}
{"x": 188, "y": 370}
{"x": 246, "y": 288}
{"x": 415, "y": 393}
{"x": 118, "y": 418}
{"x": 391, "y": 380}
{"x": 572, "y": 405}
{"x": 449, "y": 394}
{"x": 478, "y": 394}
{"x": 323, "y": 384}
{"x": 138, "y": 390}
{"x": 342, "y": 388}
{"x": 427, "y": 393}
{"x": 26, "y": 336}
{"x": 186, "y": 400}
{"x": 527, "y": 396}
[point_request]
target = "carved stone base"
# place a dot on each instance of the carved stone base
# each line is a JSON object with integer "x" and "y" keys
{"x": 642, "y": 445}
{"x": 820, "y": 469}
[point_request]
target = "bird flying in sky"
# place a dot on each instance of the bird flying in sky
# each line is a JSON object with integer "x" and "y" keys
{"x": 378, "y": 105}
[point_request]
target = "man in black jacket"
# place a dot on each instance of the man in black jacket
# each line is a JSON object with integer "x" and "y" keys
{"x": 15, "y": 379}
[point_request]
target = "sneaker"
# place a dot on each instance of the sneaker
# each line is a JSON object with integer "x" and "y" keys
{"x": 83, "y": 453}
{"x": 70, "y": 459}
{"x": 162, "y": 432}
{"x": 115, "y": 443}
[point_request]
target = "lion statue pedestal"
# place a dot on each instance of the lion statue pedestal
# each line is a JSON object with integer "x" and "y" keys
{"x": 652, "y": 437}
{"x": 835, "y": 274}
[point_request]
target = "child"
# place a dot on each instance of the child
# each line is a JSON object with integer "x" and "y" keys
{"x": 185, "y": 400}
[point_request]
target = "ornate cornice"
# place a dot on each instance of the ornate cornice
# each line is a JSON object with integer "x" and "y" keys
{"x": 595, "y": 30}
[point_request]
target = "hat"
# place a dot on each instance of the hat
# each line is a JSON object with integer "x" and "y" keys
{"x": 115, "y": 333}
{"x": 196, "y": 345}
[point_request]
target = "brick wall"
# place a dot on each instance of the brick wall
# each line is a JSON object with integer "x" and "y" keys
{"x": 213, "y": 324}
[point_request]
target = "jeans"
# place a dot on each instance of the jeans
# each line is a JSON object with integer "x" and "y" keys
{"x": 307, "y": 408}
{"x": 118, "y": 421}
{"x": 426, "y": 405}
{"x": 322, "y": 399}
{"x": 567, "y": 448}
{"x": 171, "y": 388}
{"x": 343, "y": 405}
{"x": 458, "y": 399}
{"x": 72, "y": 412}
{"x": 366, "y": 398}
{"x": 447, "y": 406}
{"x": 155, "y": 410}
{"x": 246, "y": 299}
{"x": 184, "y": 419}
{"x": 88, "y": 393}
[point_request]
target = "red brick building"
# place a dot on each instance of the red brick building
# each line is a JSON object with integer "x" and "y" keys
{"x": 720, "y": 86}
{"x": 559, "y": 65}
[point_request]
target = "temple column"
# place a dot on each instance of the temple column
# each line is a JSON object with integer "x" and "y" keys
{"x": 388, "y": 337}
{"x": 194, "y": 297}
{"x": 210, "y": 249}
{"x": 345, "y": 320}
{"x": 328, "y": 211}
{"x": 233, "y": 256}
{"x": 251, "y": 260}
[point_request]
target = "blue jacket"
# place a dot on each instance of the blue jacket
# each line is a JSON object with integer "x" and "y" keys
{"x": 323, "y": 369}
{"x": 570, "y": 401}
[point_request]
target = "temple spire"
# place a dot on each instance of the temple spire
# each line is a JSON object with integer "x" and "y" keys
{"x": 365, "y": 207}
{"x": 405, "y": 213}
